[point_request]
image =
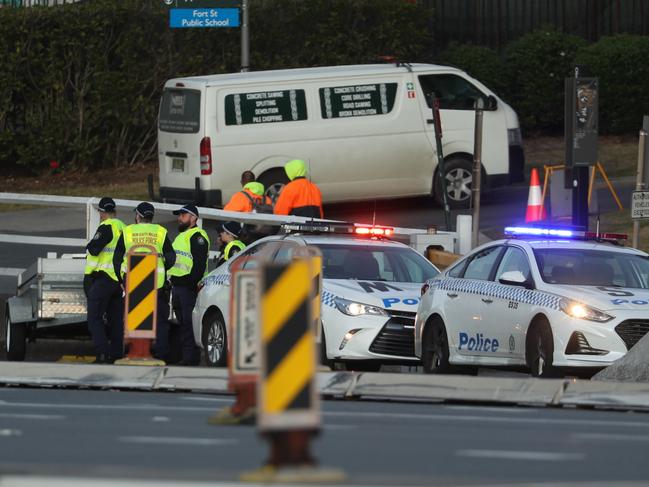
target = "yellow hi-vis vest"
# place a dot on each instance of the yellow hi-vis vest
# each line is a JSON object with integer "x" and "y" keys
{"x": 183, "y": 249}
{"x": 104, "y": 261}
{"x": 228, "y": 248}
{"x": 146, "y": 234}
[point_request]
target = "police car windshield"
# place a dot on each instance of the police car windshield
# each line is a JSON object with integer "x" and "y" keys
{"x": 374, "y": 263}
{"x": 593, "y": 268}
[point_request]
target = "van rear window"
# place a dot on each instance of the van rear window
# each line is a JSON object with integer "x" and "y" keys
{"x": 357, "y": 100}
{"x": 265, "y": 107}
{"x": 180, "y": 111}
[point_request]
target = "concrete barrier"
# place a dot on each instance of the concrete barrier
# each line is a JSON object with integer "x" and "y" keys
{"x": 459, "y": 388}
{"x": 613, "y": 395}
{"x": 339, "y": 385}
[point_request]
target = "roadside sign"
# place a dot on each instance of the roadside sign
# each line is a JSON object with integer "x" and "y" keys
{"x": 141, "y": 295}
{"x": 245, "y": 323}
{"x": 640, "y": 205}
{"x": 286, "y": 392}
{"x": 180, "y": 18}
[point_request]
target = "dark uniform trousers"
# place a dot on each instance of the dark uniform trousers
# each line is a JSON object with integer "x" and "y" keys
{"x": 183, "y": 302}
{"x": 105, "y": 297}
{"x": 161, "y": 345}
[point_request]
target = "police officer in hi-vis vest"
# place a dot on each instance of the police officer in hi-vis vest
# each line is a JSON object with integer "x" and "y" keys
{"x": 228, "y": 238}
{"x": 143, "y": 232}
{"x": 102, "y": 287}
{"x": 192, "y": 248}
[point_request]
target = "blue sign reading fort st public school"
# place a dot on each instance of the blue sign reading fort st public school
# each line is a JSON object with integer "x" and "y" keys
{"x": 203, "y": 17}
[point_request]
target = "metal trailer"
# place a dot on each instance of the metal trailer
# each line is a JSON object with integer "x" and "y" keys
{"x": 49, "y": 302}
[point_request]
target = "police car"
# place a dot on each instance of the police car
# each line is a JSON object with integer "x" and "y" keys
{"x": 550, "y": 300}
{"x": 370, "y": 293}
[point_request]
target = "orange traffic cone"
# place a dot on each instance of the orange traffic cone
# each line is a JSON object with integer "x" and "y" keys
{"x": 535, "y": 209}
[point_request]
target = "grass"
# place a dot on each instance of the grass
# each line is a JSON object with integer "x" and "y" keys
{"x": 618, "y": 155}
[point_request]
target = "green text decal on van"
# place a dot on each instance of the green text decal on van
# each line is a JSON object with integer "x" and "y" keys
{"x": 265, "y": 107}
{"x": 180, "y": 111}
{"x": 357, "y": 101}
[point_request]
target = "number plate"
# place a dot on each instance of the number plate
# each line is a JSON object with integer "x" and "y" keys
{"x": 178, "y": 165}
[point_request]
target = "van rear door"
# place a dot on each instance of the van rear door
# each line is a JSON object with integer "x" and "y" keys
{"x": 180, "y": 134}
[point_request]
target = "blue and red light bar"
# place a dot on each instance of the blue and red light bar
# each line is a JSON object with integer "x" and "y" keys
{"x": 563, "y": 233}
{"x": 340, "y": 228}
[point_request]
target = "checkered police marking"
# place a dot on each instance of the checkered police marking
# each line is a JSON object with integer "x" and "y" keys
{"x": 328, "y": 299}
{"x": 217, "y": 280}
{"x": 500, "y": 291}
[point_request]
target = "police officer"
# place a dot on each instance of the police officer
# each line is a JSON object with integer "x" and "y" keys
{"x": 229, "y": 240}
{"x": 144, "y": 232}
{"x": 103, "y": 290}
{"x": 300, "y": 197}
{"x": 192, "y": 249}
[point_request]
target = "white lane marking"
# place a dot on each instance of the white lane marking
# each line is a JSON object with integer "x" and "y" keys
{"x": 160, "y": 419}
{"x": 45, "y": 417}
{"x": 170, "y": 440}
{"x": 10, "y": 432}
{"x": 544, "y": 456}
{"x": 498, "y": 409}
{"x": 139, "y": 407}
{"x": 208, "y": 399}
{"x": 609, "y": 436}
{"x": 485, "y": 419}
{"x": 11, "y": 271}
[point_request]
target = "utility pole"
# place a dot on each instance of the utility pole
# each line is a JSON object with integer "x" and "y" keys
{"x": 245, "y": 37}
{"x": 477, "y": 172}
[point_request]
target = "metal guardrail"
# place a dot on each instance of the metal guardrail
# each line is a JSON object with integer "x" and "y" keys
{"x": 92, "y": 216}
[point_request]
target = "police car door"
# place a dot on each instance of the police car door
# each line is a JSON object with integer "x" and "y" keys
{"x": 468, "y": 305}
{"x": 511, "y": 308}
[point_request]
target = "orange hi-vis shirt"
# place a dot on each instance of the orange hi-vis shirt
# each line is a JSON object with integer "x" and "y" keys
{"x": 300, "y": 197}
{"x": 239, "y": 202}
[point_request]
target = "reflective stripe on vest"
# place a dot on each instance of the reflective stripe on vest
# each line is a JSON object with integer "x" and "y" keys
{"x": 182, "y": 247}
{"x": 146, "y": 234}
{"x": 228, "y": 248}
{"x": 104, "y": 261}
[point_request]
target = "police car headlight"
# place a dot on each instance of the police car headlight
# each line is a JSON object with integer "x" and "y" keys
{"x": 352, "y": 308}
{"x": 583, "y": 312}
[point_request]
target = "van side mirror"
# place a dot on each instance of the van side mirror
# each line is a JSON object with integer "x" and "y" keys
{"x": 491, "y": 103}
{"x": 514, "y": 278}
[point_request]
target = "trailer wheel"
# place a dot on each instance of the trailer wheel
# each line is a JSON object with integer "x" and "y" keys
{"x": 15, "y": 339}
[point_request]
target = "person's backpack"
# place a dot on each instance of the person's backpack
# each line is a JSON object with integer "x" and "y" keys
{"x": 258, "y": 205}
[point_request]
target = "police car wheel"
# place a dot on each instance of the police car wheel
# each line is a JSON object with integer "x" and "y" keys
{"x": 435, "y": 349}
{"x": 540, "y": 349}
{"x": 15, "y": 339}
{"x": 323, "y": 351}
{"x": 214, "y": 341}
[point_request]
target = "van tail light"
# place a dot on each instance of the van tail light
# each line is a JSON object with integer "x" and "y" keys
{"x": 206, "y": 156}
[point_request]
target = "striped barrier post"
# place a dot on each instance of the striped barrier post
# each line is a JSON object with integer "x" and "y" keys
{"x": 140, "y": 307}
{"x": 288, "y": 404}
{"x": 243, "y": 346}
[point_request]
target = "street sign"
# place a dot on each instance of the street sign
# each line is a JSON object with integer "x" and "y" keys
{"x": 640, "y": 205}
{"x": 202, "y": 3}
{"x": 203, "y": 17}
{"x": 246, "y": 319}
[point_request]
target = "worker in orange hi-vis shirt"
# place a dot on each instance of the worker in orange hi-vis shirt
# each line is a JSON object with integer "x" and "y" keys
{"x": 300, "y": 197}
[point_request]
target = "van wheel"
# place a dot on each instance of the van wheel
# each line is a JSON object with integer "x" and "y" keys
{"x": 15, "y": 339}
{"x": 273, "y": 180}
{"x": 459, "y": 181}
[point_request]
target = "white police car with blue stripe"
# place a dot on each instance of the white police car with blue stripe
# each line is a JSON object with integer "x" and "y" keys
{"x": 370, "y": 293}
{"x": 550, "y": 300}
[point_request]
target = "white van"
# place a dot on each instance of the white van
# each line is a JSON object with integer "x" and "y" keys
{"x": 366, "y": 132}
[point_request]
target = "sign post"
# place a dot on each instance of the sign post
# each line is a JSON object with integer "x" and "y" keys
{"x": 141, "y": 305}
{"x": 581, "y": 131}
{"x": 243, "y": 346}
{"x": 640, "y": 198}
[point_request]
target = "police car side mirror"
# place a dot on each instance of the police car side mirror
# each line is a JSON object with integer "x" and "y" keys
{"x": 514, "y": 278}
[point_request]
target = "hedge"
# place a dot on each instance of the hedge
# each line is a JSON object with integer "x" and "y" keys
{"x": 81, "y": 82}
